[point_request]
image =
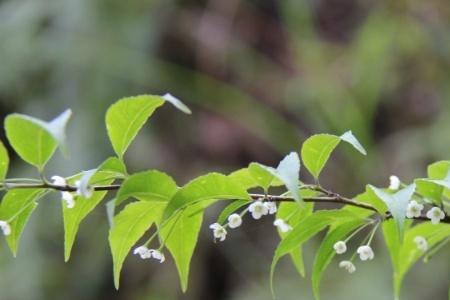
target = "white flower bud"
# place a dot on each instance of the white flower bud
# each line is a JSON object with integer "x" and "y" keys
{"x": 435, "y": 215}
{"x": 143, "y": 252}
{"x": 282, "y": 225}
{"x": 4, "y": 226}
{"x": 234, "y": 220}
{"x": 421, "y": 243}
{"x": 258, "y": 209}
{"x": 271, "y": 207}
{"x": 348, "y": 265}
{"x": 219, "y": 231}
{"x": 340, "y": 247}
{"x": 414, "y": 209}
{"x": 394, "y": 183}
{"x": 365, "y": 253}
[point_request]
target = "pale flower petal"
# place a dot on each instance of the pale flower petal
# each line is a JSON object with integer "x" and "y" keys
{"x": 219, "y": 231}
{"x": 68, "y": 199}
{"x": 282, "y": 225}
{"x": 58, "y": 180}
{"x": 4, "y": 226}
{"x": 435, "y": 215}
{"x": 143, "y": 252}
{"x": 258, "y": 209}
{"x": 348, "y": 265}
{"x": 394, "y": 182}
{"x": 271, "y": 207}
{"x": 365, "y": 253}
{"x": 234, "y": 220}
{"x": 421, "y": 243}
{"x": 340, "y": 247}
{"x": 414, "y": 209}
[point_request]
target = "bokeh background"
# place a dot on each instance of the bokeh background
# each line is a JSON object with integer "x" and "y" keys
{"x": 260, "y": 76}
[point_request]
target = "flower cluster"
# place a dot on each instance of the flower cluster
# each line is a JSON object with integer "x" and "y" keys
{"x": 83, "y": 190}
{"x": 146, "y": 253}
{"x": 257, "y": 209}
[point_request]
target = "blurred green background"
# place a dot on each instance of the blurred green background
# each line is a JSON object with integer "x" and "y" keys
{"x": 260, "y": 76}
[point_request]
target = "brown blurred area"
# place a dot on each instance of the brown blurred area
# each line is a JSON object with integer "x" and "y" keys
{"x": 260, "y": 76}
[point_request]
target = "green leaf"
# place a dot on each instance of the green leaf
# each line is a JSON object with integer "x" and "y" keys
{"x": 262, "y": 177}
{"x": 207, "y": 187}
{"x": 243, "y": 178}
{"x": 439, "y": 170}
{"x": 397, "y": 204}
{"x": 294, "y": 214}
{"x": 326, "y": 251}
{"x": 180, "y": 236}
{"x": 115, "y": 167}
{"x": 309, "y": 227}
{"x": 126, "y": 117}
{"x": 33, "y": 143}
{"x": 35, "y": 140}
{"x": 177, "y": 103}
{"x": 231, "y": 208}
{"x": 351, "y": 139}
{"x": 83, "y": 206}
{"x": 405, "y": 255}
{"x": 128, "y": 227}
{"x": 4, "y": 161}
{"x": 16, "y": 208}
{"x": 316, "y": 151}
{"x": 147, "y": 186}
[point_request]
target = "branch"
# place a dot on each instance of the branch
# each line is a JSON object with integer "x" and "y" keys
{"x": 330, "y": 197}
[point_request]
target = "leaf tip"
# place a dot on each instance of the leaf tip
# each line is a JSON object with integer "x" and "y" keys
{"x": 177, "y": 103}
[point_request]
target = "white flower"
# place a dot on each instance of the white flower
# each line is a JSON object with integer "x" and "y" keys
{"x": 234, "y": 220}
{"x": 421, "y": 243}
{"x": 271, "y": 207}
{"x": 348, "y": 265}
{"x": 282, "y": 225}
{"x": 394, "y": 183}
{"x": 435, "y": 215}
{"x": 219, "y": 231}
{"x": 365, "y": 253}
{"x": 4, "y": 226}
{"x": 83, "y": 190}
{"x": 158, "y": 255}
{"x": 258, "y": 209}
{"x": 68, "y": 198}
{"x": 58, "y": 180}
{"x": 143, "y": 252}
{"x": 414, "y": 209}
{"x": 340, "y": 247}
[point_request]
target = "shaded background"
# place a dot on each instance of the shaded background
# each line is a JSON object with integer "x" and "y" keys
{"x": 260, "y": 77}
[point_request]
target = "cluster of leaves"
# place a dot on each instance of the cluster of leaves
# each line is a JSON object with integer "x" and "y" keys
{"x": 152, "y": 200}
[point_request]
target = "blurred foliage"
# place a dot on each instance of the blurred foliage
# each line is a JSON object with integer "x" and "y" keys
{"x": 260, "y": 75}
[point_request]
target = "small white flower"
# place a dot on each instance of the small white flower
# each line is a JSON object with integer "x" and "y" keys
{"x": 85, "y": 191}
{"x": 365, "y": 253}
{"x": 348, "y": 265}
{"x": 219, "y": 231}
{"x": 414, "y": 209}
{"x": 158, "y": 255}
{"x": 435, "y": 215}
{"x": 421, "y": 243}
{"x": 4, "y": 226}
{"x": 271, "y": 207}
{"x": 234, "y": 220}
{"x": 258, "y": 209}
{"x": 58, "y": 180}
{"x": 143, "y": 252}
{"x": 340, "y": 247}
{"x": 394, "y": 183}
{"x": 68, "y": 198}
{"x": 282, "y": 225}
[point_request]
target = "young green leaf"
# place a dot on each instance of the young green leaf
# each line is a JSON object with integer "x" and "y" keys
{"x": 16, "y": 208}
{"x": 4, "y": 161}
{"x": 244, "y": 178}
{"x": 309, "y": 227}
{"x": 397, "y": 204}
{"x": 261, "y": 175}
{"x": 74, "y": 216}
{"x": 326, "y": 251}
{"x": 180, "y": 236}
{"x": 207, "y": 187}
{"x": 128, "y": 227}
{"x": 126, "y": 117}
{"x": 316, "y": 151}
{"x": 405, "y": 255}
{"x": 147, "y": 186}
